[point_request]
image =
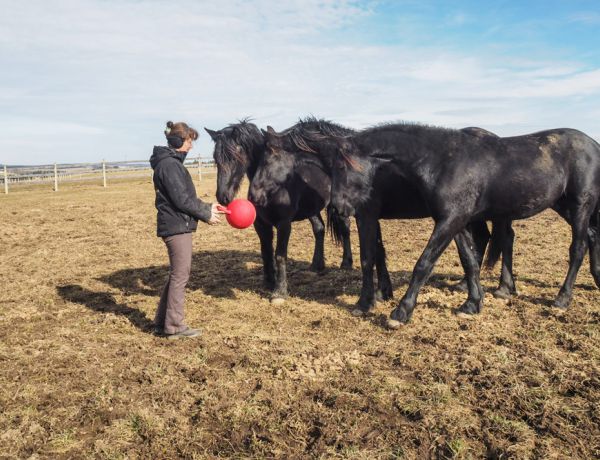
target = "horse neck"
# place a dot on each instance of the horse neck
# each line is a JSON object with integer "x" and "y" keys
{"x": 256, "y": 155}
{"x": 409, "y": 160}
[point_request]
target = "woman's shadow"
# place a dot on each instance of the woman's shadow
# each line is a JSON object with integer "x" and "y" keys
{"x": 104, "y": 302}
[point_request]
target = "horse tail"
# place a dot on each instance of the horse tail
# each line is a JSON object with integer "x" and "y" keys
{"x": 335, "y": 225}
{"x": 495, "y": 247}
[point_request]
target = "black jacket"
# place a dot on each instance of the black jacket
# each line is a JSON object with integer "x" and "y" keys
{"x": 179, "y": 209}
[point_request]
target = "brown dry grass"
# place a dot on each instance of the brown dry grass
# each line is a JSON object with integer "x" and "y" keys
{"x": 81, "y": 376}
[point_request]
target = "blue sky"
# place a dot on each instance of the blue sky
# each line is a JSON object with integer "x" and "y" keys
{"x": 83, "y": 80}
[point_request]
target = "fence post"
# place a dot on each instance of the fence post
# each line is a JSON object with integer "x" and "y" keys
{"x": 5, "y": 180}
{"x": 104, "y": 173}
{"x": 55, "y": 178}
{"x": 199, "y": 169}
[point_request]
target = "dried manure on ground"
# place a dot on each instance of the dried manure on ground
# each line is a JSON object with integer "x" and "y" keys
{"x": 83, "y": 377}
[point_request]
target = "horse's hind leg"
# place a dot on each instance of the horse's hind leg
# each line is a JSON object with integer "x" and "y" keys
{"x": 481, "y": 236}
{"x": 507, "y": 288}
{"x": 347, "y": 255}
{"x": 594, "y": 246}
{"x": 283, "y": 237}
{"x": 265, "y": 235}
{"x": 593, "y": 237}
{"x": 580, "y": 219}
{"x": 318, "y": 227}
{"x": 464, "y": 241}
{"x": 384, "y": 284}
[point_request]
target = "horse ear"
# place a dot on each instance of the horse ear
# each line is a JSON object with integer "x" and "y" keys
{"x": 270, "y": 130}
{"x": 213, "y": 134}
{"x": 263, "y": 132}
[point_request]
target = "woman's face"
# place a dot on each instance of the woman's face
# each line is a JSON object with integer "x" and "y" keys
{"x": 187, "y": 145}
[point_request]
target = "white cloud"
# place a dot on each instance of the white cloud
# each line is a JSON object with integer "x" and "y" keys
{"x": 120, "y": 69}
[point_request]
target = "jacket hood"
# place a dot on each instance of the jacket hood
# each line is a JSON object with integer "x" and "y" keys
{"x": 160, "y": 153}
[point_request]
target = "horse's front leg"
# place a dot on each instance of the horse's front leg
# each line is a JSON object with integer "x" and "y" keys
{"x": 318, "y": 227}
{"x": 367, "y": 235}
{"x": 265, "y": 235}
{"x": 283, "y": 237}
{"x": 347, "y": 254}
{"x": 439, "y": 240}
{"x": 384, "y": 284}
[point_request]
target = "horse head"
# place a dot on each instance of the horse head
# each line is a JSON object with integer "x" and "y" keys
{"x": 274, "y": 170}
{"x": 237, "y": 151}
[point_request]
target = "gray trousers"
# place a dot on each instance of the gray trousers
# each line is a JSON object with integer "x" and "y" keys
{"x": 169, "y": 315}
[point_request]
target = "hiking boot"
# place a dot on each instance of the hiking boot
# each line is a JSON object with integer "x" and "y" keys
{"x": 189, "y": 332}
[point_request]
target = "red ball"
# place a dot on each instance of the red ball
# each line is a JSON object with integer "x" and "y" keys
{"x": 240, "y": 213}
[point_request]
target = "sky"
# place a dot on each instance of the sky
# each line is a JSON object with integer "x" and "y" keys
{"x": 86, "y": 80}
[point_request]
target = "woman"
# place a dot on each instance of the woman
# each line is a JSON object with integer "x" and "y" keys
{"x": 179, "y": 211}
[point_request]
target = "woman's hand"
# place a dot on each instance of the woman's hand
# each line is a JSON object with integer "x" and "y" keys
{"x": 214, "y": 214}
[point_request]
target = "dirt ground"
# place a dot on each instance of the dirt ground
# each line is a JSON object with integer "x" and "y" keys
{"x": 81, "y": 376}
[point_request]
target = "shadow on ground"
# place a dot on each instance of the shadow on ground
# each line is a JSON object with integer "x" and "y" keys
{"x": 103, "y": 302}
{"x": 218, "y": 273}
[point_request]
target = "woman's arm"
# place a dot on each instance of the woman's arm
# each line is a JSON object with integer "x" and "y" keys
{"x": 174, "y": 180}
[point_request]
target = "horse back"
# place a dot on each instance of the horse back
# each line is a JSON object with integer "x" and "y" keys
{"x": 535, "y": 170}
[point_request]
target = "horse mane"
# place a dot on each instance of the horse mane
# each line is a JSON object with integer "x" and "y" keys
{"x": 312, "y": 129}
{"x": 410, "y": 127}
{"x": 242, "y": 134}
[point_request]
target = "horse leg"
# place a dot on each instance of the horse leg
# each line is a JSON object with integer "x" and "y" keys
{"x": 442, "y": 235}
{"x": 384, "y": 284}
{"x": 594, "y": 246}
{"x": 283, "y": 237}
{"x": 367, "y": 235}
{"x": 593, "y": 236}
{"x": 318, "y": 227}
{"x": 265, "y": 235}
{"x": 470, "y": 262}
{"x": 347, "y": 255}
{"x": 507, "y": 288}
{"x": 580, "y": 219}
{"x": 481, "y": 236}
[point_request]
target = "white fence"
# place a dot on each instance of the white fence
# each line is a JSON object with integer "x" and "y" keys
{"x": 102, "y": 172}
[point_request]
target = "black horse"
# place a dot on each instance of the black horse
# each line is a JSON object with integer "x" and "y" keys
{"x": 294, "y": 162}
{"x": 464, "y": 178}
{"x": 239, "y": 149}
{"x": 395, "y": 199}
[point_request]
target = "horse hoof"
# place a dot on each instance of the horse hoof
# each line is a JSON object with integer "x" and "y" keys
{"x": 358, "y": 313}
{"x": 502, "y": 294}
{"x": 393, "y": 324}
{"x": 561, "y": 303}
{"x": 277, "y": 301}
